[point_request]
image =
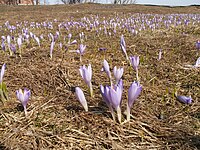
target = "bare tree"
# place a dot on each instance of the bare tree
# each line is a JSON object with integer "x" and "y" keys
{"x": 124, "y": 1}
{"x": 71, "y": 1}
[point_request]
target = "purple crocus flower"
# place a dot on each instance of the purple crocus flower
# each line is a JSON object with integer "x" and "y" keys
{"x": 69, "y": 37}
{"x": 102, "y": 49}
{"x": 8, "y": 40}
{"x": 160, "y": 55}
{"x": 105, "y": 94}
{"x": 60, "y": 45}
{"x": 86, "y": 74}
{"x": 118, "y": 73}
{"x": 115, "y": 94}
{"x": 2, "y": 72}
{"x": 123, "y": 46}
{"x": 135, "y": 62}
{"x": 81, "y": 97}
{"x": 184, "y": 99}
{"x": 19, "y": 42}
{"x": 133, "y": 93}
{"x": 81, "y": 50}
{"x": 73, "y": 42}
{"x": 23, "y": 97}
{"x": 122, "y": 41}
{"x": 106, "y": 68}
{"x": 198, "y": 45}
{"x": 51, "y": 37}
{"x": 104, "y": 90}
{"x": 51, "y": 48}
{"x": 13, "y": 48}
{"x": 37, "y": 40}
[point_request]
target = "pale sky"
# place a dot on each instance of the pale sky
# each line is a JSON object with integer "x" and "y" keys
{"x": 154, "y": 2}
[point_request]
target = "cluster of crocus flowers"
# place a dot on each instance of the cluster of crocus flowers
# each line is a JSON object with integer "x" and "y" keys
{"x": 23, "y": 97}
{"x": 135, "y": 63}
{"x": 86, "y": 74}
{"x": 112, "y": 95}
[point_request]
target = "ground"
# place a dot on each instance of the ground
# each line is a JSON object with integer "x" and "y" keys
{"x": 56, "y": 120}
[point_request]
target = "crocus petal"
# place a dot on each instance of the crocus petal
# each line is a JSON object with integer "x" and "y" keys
{"x": 123, "y": 49}
{"x": 122, "y": 41}
{"x": 8, "y": 39}
{"x": 2, "y": 72}
{"x": 185, "y": 99}
{"x": 118, "y": 73}
{"x": 104, "y": 95}
{"x": 133, "y": 93}
{"x": 51, "y": 48}
{"x": 27, "y": 94}
{"x": 198, "y": 45}
{"x": 73, "y": 42}
{"x": 19, "y": 42}
{"x": 81, "y": 97}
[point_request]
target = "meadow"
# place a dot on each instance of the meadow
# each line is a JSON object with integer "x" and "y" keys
{"x": 40, "y": 47}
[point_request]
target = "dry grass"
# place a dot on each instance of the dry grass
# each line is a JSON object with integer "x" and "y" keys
{"x": 55, "y": 118}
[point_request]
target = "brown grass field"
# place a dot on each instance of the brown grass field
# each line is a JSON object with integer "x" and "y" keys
{"x": 56, "y": 120}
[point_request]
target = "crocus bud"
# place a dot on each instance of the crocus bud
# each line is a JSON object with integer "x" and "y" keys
{"x": 123, "y": 46}
{"x": 160, "y": 54}
{"x": 19, "y": 42}
{"x": 51, "y": 48}
{"x": 135, "y": 62}
{"x": 118, "y": 73}
{"x": 133, "y": 93}
{"x": 81, "y": 97}
{"x": 106, "y": 68}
